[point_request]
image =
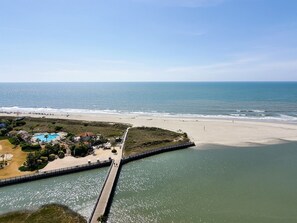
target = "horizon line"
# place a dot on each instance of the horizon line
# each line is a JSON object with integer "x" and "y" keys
{"x": 40, "y": 82}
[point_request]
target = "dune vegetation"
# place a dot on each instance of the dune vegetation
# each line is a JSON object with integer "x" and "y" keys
{"x": 143, "y": 139}
{"x": 51, "y": 213}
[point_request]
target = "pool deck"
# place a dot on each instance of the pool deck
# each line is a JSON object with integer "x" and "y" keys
{"x": 51, "y": 137}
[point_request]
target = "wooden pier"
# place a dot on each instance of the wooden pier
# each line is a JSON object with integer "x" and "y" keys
{"x": 104, "y": 199}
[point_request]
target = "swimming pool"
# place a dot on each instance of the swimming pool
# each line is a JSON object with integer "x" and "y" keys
{"x": 44, "y": 137}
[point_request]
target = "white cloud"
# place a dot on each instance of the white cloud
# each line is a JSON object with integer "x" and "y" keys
{"x": 245, "y": 69}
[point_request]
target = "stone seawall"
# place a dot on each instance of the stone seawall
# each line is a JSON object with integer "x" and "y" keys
{"x": 53, "y": 173}
{"x": 157, "y": 151}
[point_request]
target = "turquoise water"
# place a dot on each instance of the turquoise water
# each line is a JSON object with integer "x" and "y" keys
{"x": 50, "y": 137}
{"x": 78, "y": 191}
{"x": 268, "y": 101}
{"x": 224, "y": 184}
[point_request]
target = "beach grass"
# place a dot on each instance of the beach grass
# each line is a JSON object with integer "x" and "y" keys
{"x": 51, "y": 213}
{"x": 35, "y": 125}
{"x": 143, "y": 139}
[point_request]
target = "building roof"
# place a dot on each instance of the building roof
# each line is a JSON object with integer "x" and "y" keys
{"x": 86, "y": 134}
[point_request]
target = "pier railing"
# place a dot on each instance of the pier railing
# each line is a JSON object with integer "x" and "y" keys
{"x": 53, "y": 173}
{"x": 157, "y": 151}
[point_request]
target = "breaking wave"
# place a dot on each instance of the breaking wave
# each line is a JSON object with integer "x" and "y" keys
{"x": 236, "y": 114}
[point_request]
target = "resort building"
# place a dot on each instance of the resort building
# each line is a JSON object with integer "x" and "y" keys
{"x": 86, "y": 136}
{"x": 24, "y": 135}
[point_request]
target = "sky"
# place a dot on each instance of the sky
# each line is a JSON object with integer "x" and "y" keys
{"x": 148, "y": 40}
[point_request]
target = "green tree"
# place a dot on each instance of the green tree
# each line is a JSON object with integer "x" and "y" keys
{"x": 31, "y": 161}
{"x": 58, "y": 128}
{"x": 46, "y": 137}
{"x": 51, "y": 157}
{"x": 79, "y": 150}
{"x": 61, "y": 154}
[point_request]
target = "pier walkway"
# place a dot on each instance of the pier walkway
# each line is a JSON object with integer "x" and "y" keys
{"x": 103, "y": 200}
{"x": 105, "y": 195}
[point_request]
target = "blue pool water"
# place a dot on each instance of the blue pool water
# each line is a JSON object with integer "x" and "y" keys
{"x": 50, "y": 137}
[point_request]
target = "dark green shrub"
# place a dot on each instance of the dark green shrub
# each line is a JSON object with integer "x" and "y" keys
{"x": 3, "y": 132}
{"x": 44, "y": 159}
{"x": 53, "y": 149}
{"x": 30, "y": 148}
{"x": 101, "y": 140}
{"x": 114, "y": 151}
{"x": 58, "y": 128}
{"x": 51, "y": 157}
{"x": 20, "y": 123}
{"x": 23, "y": 168}
{"x": 9, "y": 128}
{"x": 31, "y": 162}
{"x": 102, "y": 219}
{"x": 14, "y": 140}
{"x": 79, "y": 150}
{"x": 70, "y": 135}
{"x": 61, "y": 154}
{"x": 39, "y": 161}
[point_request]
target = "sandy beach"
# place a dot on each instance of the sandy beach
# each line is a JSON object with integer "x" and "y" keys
{"x": 240, "y": 133}
{"x": 202, "y": 131}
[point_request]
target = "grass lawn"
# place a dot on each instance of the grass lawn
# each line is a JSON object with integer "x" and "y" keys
{"x": 142, "y": 139}
{"x": 18, "y": 159}
{"x": 51, "y": 213}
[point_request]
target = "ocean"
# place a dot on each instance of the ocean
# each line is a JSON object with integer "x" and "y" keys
{"x": 276, "y": 101}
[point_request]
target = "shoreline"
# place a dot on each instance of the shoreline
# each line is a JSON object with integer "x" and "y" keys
{"x": 202, "y": 131}
{"x": 86, "y": 112}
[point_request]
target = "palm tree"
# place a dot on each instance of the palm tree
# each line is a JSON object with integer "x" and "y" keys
{"x": 46, "y": 137}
